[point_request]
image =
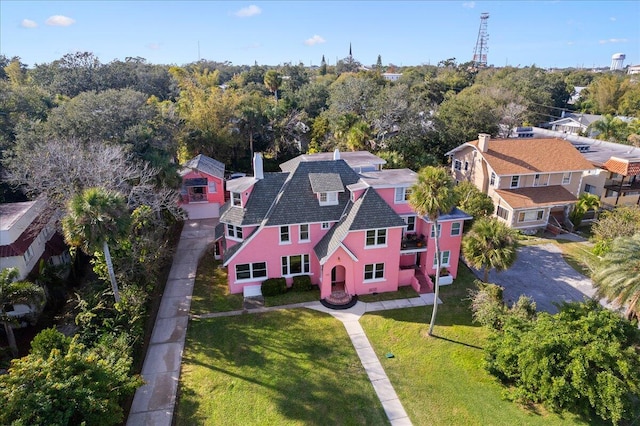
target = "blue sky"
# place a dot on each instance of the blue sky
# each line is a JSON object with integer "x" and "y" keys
{"x": 547, "y": 34}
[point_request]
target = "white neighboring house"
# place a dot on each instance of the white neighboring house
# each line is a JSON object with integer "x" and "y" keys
{"x": 28, "y": 234}
{"x": 391, "y": 76}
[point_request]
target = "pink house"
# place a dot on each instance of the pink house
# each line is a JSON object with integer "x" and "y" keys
{"x": 350, "y": 232}
{"x": 202, "y": 191}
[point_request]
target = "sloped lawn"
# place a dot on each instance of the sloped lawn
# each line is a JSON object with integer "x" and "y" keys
{"x": 290, "y": 367}
{"x": 441, "y": 380}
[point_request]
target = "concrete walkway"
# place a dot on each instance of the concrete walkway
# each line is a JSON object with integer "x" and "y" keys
{"x": 153, "y": 403}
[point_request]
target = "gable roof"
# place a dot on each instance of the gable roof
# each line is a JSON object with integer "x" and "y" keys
{"x": 584, "y": 120}
{"x": 530, "y": 156}
{"x": 538, "y": 196}
{"x": 369, "y": 211}
{"x": 205, "y": 164}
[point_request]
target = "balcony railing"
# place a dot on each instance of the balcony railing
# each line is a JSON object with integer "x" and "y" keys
{"x": 414, "y": 242}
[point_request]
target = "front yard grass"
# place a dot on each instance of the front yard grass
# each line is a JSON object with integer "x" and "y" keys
{"x": 441, "y": 380}
{"x": 211, "y": 290}
{"x": 290, "y": 367}
{"x": 405, "y": 292}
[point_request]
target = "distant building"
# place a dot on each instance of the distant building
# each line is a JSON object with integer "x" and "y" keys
{"x": 391, "y": 76}
{"x": 633, "y": 69}
{"x": 28, "y": 234}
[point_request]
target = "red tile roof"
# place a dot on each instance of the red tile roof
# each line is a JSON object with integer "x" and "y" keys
{"x": 622, "y": 166}
{"x": 529, "y": 156}
{"x": 22, "y": 243}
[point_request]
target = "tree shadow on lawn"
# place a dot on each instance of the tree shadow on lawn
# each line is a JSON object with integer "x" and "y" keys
{"x": 294, "y": 360}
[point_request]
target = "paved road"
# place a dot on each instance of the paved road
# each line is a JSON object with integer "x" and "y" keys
{"x": 541, "y": 273}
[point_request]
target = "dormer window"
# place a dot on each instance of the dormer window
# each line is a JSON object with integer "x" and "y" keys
{"x": 236, "y": 199}
{"x": 326, "y": 186}
{"x": 328, "y": 198}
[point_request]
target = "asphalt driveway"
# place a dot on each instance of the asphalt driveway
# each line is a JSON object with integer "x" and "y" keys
{"x": 541, "y": 273}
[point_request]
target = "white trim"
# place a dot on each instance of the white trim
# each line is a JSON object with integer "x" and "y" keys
{"x": 328, "y": 255}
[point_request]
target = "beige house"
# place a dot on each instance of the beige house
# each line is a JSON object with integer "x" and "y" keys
{"x": 532, "y": 182}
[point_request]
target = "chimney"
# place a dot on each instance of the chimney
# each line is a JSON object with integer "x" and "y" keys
{"x": 336, "y": 154}
{"x": 483, "y": 142}
{"x": 258, "y": 172}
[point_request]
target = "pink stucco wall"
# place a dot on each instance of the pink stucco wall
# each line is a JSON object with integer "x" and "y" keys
{"x": 389, "y": 195}
{"x": 213, "y": 197}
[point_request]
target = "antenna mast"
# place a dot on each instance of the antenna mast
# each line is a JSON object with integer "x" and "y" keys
{"x": 482, "y": 43}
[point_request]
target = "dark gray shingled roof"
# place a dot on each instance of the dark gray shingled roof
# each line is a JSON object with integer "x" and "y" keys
{"x": 297, "y": 203}
{"x": 219, "y": 232}
{"x": 369, "y": 211}
{"x": 206, "y": 164}
{"x": 325, "y": 182}
{"x": 262, "y": 197}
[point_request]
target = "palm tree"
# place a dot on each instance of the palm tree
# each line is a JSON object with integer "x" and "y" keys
{"x": 273, "y": 81}
{"x": 585, "y": 203}
{"x": 610, "y": 128}
{"x": 617, "y": 276}
{"x": 431, "y": 196}
{"x": 94, "y": 218}
{"x": 490, "y": 244}
{"x": 15, "y": 292}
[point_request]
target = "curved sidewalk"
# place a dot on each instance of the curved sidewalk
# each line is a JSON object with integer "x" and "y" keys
{"x": 154, "y": 402}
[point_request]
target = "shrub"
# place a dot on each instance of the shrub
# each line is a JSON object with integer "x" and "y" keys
{"x": 47, "y": 340}
{"x": 301, "y": 283}
{"x": 487, "y": 306}
{"x": 274, "y": 286}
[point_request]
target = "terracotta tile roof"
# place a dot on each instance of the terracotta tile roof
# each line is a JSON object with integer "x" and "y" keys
{"x": 529, "y": 156}
{"x": 539, "y": 196}
{"x": 622, "y": 166}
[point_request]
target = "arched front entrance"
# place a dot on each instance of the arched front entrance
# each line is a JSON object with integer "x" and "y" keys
{"x": 338, "y": 274}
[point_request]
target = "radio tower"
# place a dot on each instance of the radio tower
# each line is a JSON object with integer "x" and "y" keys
{"x": 482, "y": 44}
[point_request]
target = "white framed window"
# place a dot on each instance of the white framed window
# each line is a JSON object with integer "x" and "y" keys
{"x": 445, "y": 258}
{"x": 589, "y": 188}
{"x": 433, "y": 230}
{"x": 411, "y": 223}
{"x": 285, "y": 237}
{"x": 325, "y": 225}
{"x": 530, "y": 216}
{"x": 374, "y": 272}
{"x": 376, "y": 237}
{"x": 541, "y": 180}
{"x": 566, "y": 178}
{"x": 304, "y": 232}
{"x": 402, "y": 195}
{"x": 457, "y": 164}
{"x": 236, "y": 199}
{"x": 455, "y": 228}
{"x": 234, "y": 231}
{"x": 211, "y": 187}
{"x": 249, "y": 271}
{"x": 295, "y": 265}
{"x": 492, "y": 180}
{"x": 515, "y": 181}
{"x": 328, "y": 198}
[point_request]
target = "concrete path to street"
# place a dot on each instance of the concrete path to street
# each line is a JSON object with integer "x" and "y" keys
{"x": 541, "y": 273}
{"x": 154, "y": 402}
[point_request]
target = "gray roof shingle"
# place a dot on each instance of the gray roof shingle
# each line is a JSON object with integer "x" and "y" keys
{"x": 297, "y": 203}
{"x": 325, "y": 182}
{"x": 207, "y": 165}
{"x": 260, "y": 201}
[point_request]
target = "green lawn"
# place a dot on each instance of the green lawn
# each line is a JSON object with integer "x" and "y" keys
{"x": 290, "y": 367}
{"x": 441, "y": 380}
{"x": 405, "y": 292}
{"x": 211, "y": 289}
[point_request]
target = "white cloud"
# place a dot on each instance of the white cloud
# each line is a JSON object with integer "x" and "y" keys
{"x": 246, "y": 12}
{"x": 613, "y": 18}
{"x": 28, "y": 23}
{"x": 469, "y": 4}
{"x": 571, "y": 43}
{"x": 59, "y": 21}
{"x": 614, "y": 40}
{"x": 316, "y": 39}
